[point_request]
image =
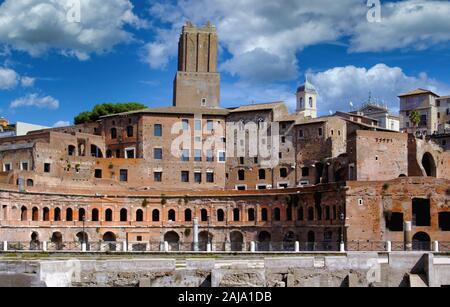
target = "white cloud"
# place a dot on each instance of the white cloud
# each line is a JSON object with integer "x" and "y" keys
{"x": 27, "y": 81}
{"x": 34, "y": 100}
{"x": 35, "y": 26}
{"x": 61, "y": 123}
{"x": 270, "y": 33}
{"x": 340, "y": 85}
{"x": 8, "y": 79}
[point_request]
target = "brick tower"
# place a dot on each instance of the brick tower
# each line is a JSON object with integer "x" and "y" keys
{"x": 197, "y": 83}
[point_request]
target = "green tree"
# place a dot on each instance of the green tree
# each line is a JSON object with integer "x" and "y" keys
{"x": 414, "y": 117}
{"x": 107, "y": 109}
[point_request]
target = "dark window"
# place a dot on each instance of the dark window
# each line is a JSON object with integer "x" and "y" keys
{"x": 421, "y": 212}
{"x": 130, "y": 153}
{"x": 236, "y": 215}
{"x": 81, "y": 215}
{"x": 320, "y": 131}
{"x": 172, "y": 216}
{"x": 241, "y": 160}
{"x": 262, "y": 174}
{"x": 255, "y": 160}
{"x": 157, "y": 176}
{"x": 95, "y": 215}
{"x": 46, "y": 215}
{"x": 204, "y": 215}
{"x": 158, "y": 130}
{"x": 123, "y": 175}
{"x": 289, "y": 213}
{"x": 241, "y": 175}
{"x": 305, "y": 172}
{"x": 130, "y": 131}
{"x": 47, "y": 167}
{"x": 113, "y": 133}
{"x": 283, "y": 172}
{"x": 300, "y": 214}
{"x": 184, "y": 176}
{"x": 210, "y": 177}
{"x": 277, "y": 214}
{"x": 327, "y": 213}
{"x": 198, "y": 177}
{"x": 251, "y": 215}
{"x": 157, "y": 153}
{"x": 155, "y": 215}
{"x": 264, "y": 216}
{"x": 220, "y": 215}
{"x": 188, "y": 215}
{"x": 310, "y": 214}
{"x": 108, "y": 215}
{"x": 98, "y": 173}
{"x": 57, "y": 215}
{"x": 69, "y": 215}
{"x": 300, "y": 133}
{"x": 71, "y": 150}
{"x": 35, "y": 214}
{"x": 394, "y": 221}
{"x": 444, "y": 221}
{"x": 283, "y": 139}
{"x": 123, "y": 215}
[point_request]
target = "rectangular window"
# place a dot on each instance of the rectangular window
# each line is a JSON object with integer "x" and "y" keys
{"x": 130, "y": 153}
{"x": 320, "y": 131}
{"x": 7, "y": 167}
{"x": 283, "y": 140}
{"x": 158, "y": 130}
{"x": 157, "y": 176}
{"x": 241, "y": 161}
{"x": 98, "y": 174}
{"x": 198, "y": 125}
{"x": 222, "y": 156}
{"x": 210, "y": 125}
{"x": 210, "y": 177}
{"x": 184, "y": 176}
{"x": 209, "y": 156}
{"x": 241, "y": 187}
{"x": 123, "y": 175}
{"x": 24, "y": 166}
{"x": 185, "y": 155}
{"x": 47, "y": 167}
{"x": 198, "y": 155}
{"x": 255, "y": 160}
{"x": 185, "y": 124}
{"x": 300, "y": 133}
{"x": 157, "y": 153}
{"x": 198, "y": 177}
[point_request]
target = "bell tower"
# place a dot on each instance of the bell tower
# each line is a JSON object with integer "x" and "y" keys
{"x": 197, "y": 82}
{"x": 307, "y": 100}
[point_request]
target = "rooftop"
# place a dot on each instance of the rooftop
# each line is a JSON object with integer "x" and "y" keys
{"x": 418, "y": 91}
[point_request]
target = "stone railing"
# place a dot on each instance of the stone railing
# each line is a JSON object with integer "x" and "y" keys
{"x": 213, "y": 247}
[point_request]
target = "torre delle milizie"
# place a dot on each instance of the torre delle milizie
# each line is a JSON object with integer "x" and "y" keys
{"x": 342, "y": 178}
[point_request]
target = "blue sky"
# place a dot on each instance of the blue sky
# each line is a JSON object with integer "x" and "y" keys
{"x": 123, "y": 51}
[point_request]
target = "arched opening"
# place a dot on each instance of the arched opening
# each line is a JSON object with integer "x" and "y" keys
{"x": 83, "y": 238}
{"x": 237, "y": 241}
{"x": 204, "y": 215}
{"x": 96, "y": 152}
{"x": 24, "y": 214}
{"x": 123, "y": 215}
{"x": 289, "y": 241}
{"x": 30, "y": 183}
{"x": 251, "y": 215}
{"x": 277, "y": 214}
{"x": 220, "y": 215}
{"x": 71, "y": 150}
{"x": 35, "y": 214}
{"x": 81, "y": 215}
{"x": 139, "y": 215}
{"x": 34, "y": 243}
{"x": 113, "y": 133}
{"x": 429, "y": 165}
{"x": 310, "y": 214}
{"x": 328, "y": 240}
{"x": 155, "y": 215}
{"x": 109, "y": 237}
{"x": 319, "y": 172}
{"x": 69, "y": 215}
{"x": 57, "y": 215}
{"x": 108, "y": 215}
{"x": 173, "y": 239}
{"x": 327, "y": 213}
{"x": 46, "y": 214}
{"x": 188, "y": 215}
{"x": 204, "y": 238}
{"x": 172, "y": 216}
{"x": 402, "y": 176}
{"x": 421, "y": 242}
{"x": 57, "y": 241}
{"x": 130, "y": 131}
{"x": 95, "y": 215}
{"x": 236, "y": 215}
{"x": 300, "y": 214}
{"x": 311, "y": 241}
{"x": 264, "y": 215}
{"x": 264, "y": 239}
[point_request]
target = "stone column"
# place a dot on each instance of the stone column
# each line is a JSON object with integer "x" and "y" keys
{"x": 436, "y": 246}
{"x": 253, "y": 247}
{"x": 297, "y": 247}
{"x": 44, "y": 246}
{"x": 195, "y": 233}
{"x": 408, "y": 236}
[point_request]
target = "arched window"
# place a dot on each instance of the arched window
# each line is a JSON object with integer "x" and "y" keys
{"x": 81, "y": 215}
{"x": 130, "y": 131}
{"x": 319, "y": 213}
{"x": 300, "y": 214}
{"x": 69, "y": 215}
{"x": 327, "y": 213}
{"x": 277, "y": 214}
{"x": 95, "y": 215}
{"x": 71, "y": 150}
{"x": 46, "y": 215}
{"x": 289, "y": 213}
{"x": 35, "y": 214}
{"x": 264, "y": 216}
{"x": 204, "y": 214}
{"x": 236, "y": 215}
{"x": 124, "y": 215}
{"x": 155, "y": 215}
{"x": 23, "y": 214}
{"x": 113, "y": 133}
{"x": 188, "y": 215}
{"x": 108, "y": 215}
{"x": 139, "y": 215}
{"x": 251, "y": 215}
{"x": 310, "y": 214}
{"x": 262, "y": 174}
{"x": 220, "y": 215}
{"x": 172, "y": 217}
{"x": 30, "y": 183}
{"x": 57, "y": 215}
{"x": 311, "y": 102}
{"x": 301, "y": 102}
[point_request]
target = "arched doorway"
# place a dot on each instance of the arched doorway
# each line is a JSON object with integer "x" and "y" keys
{"x": 289, "y": 241}
{"x": 35, "y": 244}
{"x": 57, "y": 241}
{"x": 109, "y": 238}
{"x": 421, "y": 242}
{"x": 310, "y": 245}
{"x": 83, "y": 238}
{"x": 429, "y": 165}
{"x": 237, "y": 241}
{"x": 173, "y": 239}
{"x": 264, "y": 240}
{"x": 204, "y": 238}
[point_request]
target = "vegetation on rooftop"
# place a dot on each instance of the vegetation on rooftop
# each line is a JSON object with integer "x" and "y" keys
{"x": 107, "y": 109}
